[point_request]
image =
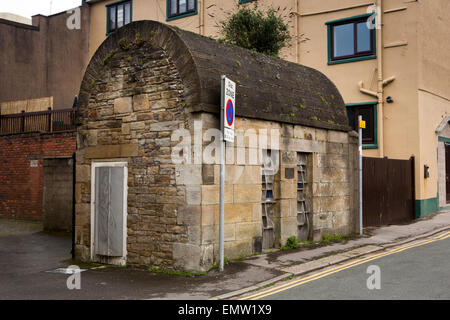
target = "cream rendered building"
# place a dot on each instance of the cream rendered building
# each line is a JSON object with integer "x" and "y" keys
{"x": 396, "y": 75}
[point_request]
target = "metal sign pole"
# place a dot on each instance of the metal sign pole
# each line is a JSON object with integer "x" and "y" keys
{"x": 222, "y": 177}
{"x": 227, "y": 117}
{"x": 360, "y": 175}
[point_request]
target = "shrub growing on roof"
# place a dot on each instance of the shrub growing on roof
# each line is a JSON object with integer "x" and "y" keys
{"x": 256, "y": 30}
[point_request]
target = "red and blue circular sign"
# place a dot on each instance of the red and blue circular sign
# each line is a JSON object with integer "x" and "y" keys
{"x": 230, "y": 112}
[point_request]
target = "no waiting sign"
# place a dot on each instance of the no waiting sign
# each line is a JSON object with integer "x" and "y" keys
{"x": 229, "y": 108}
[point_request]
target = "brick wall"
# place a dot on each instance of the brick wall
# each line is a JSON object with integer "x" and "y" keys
{"x": 21, "y": 170}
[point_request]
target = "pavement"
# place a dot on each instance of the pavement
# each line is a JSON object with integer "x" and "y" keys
{"x": 28, "y": 257}
{"x": 27, "y": 254}
{"x": 11, "y": 227}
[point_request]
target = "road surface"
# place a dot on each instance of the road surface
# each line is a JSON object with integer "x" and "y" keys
{"x": 415, "y": 271}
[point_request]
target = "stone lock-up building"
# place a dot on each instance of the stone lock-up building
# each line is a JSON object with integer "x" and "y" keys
{"x": 147, "y": 172}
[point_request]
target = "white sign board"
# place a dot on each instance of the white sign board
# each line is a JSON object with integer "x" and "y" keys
{"x": 34, "y": 163}
{"x": 229, "y": 109}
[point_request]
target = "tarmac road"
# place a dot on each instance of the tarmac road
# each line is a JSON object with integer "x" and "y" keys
{"x": 420, "y": 272}
{"x": 26, "y": 254}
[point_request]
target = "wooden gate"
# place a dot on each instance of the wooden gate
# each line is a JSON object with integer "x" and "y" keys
{"x": 388, "y": 191}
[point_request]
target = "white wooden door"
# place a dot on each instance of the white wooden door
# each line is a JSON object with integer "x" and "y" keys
{"x": 109, "y": 209}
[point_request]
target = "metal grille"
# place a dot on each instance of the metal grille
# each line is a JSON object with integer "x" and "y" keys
{"x": 302, "y": 207}
{"x": 267, "y": 200}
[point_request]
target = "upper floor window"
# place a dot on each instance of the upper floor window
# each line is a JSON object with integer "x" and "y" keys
{"x": 180, "y": 8}
{"x": 351, "y": 39}
{"x": 368, "y": 111}
{"x": 118, "y": 15}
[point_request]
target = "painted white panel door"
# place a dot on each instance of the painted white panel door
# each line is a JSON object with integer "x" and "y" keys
{"x": 109, "y": 211}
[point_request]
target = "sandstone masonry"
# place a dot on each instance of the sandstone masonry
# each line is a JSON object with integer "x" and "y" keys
{"x": 149, "y": 82}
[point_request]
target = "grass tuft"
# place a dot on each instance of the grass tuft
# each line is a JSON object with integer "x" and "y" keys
{"x": 176, "y": 273}
{"x": 294, "y": 243}
{"x": 336, "y": 238}
{"x": 216, "y": 265}
{"x": 291, "y": 243}
{"x": 124, "y": 45}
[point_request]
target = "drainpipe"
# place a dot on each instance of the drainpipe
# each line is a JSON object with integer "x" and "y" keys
{"x": 380, "y": 79}
{"x": 74, "y": 175}
{"x": 202, "y": 17}
{"x": 297, "y": 29}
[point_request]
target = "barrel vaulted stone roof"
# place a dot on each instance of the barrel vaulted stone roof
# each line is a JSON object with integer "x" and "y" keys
{"x": 268, "y": 88}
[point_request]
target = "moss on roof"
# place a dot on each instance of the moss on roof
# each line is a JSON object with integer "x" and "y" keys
{"x": 267, "y": 88}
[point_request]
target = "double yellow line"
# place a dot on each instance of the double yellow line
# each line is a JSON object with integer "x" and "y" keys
{"x": 328, "y": 272}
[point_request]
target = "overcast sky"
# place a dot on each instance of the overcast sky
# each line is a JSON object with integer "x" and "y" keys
{"x": 28, "y": 8}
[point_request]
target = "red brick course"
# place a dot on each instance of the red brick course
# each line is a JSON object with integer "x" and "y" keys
{"x": 21, "y": 183}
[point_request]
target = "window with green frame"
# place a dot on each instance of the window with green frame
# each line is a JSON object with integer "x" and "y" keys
{"x": 180, "y": 8}
{"x": 118, "y": 14}
{"x": 368, "y": 111}
{"x": 351, "y": 39}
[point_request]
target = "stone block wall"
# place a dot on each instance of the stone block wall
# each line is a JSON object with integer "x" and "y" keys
{"x": 331, "y": 191}
{"x": 134, "y": 104}
{"x": 173, "y": 209}
{"x": 135, "y": 108}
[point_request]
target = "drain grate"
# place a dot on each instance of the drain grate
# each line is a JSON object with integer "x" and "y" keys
{"x": 66, "y": 270}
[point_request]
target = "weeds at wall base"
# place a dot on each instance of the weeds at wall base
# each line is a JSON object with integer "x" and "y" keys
{"x": 177, "y": 273}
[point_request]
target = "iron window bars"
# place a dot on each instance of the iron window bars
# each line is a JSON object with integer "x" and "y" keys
{"x": 267, "y": 200}
{"x": 302, "y": 208}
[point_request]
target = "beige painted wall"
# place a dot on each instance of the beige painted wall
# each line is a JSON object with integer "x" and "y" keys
{"x": 433, "y": 109}
{"x": 400, "y": 119}
{"x": 14, "y": 17}
{"x": 433, "y": 36}
{"x": 142, "y": 10}
{"x": 433, "y": 85}
{"x": 442, "y": 185}
{"x": 210, "y": 13}
{"x": 414, "y": 37}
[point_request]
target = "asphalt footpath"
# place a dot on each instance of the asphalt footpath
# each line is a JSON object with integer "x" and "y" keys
{"x": 30, "y": 261}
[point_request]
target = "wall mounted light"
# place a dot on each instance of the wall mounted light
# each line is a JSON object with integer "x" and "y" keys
{"x": 426, "y": 171}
